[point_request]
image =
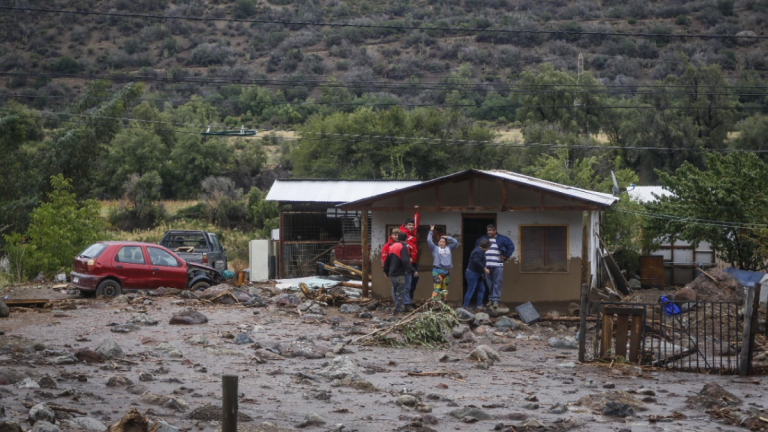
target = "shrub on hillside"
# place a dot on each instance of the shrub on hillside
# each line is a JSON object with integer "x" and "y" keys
{"x": 211, "y": 54}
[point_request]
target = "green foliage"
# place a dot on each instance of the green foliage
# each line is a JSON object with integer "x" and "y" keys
{"x": 224, "y": 202}
{"x": 244, "y": 9}
{"x": 723, "y": 204}
{"x": 263, "y": 214}
{"x": 725, "y": 7}
{"x": 752, "y": 134}
{"x": 15, "y": 250}
{"x": 60, "y": 228}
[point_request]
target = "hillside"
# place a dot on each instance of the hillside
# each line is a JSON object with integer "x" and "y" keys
{"x": 384, "y": 44}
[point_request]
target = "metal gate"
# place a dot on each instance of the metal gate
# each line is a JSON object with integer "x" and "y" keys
{"x": 694, "y": 336}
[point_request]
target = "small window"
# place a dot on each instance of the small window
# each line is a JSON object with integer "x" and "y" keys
{"x": 130, "y": 255}
{"x": 93, "y": 251}
{"x": 160, "y": 257}
{"x": 215, "y": 242}
{"x": 544, "y": 249}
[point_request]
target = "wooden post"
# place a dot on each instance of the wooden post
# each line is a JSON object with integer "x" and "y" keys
{"x": 635, "y": 338}
{"x": 750, "y": 321}
{"x": 622, "y": 327}
{"x": 606, "y": 335}
{"x": 366, "y": 252}
{"x": 229, "y": 403}
{"x": 281, "y": 230}
{"x": 583, "y": 323}
{"x": 585, "y": 221}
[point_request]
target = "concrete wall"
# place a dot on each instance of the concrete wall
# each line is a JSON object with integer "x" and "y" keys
{"x": 555, "y": 288}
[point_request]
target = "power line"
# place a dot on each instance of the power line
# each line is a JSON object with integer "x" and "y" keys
{"x": 335, "y": 83}
{"x": 714, "y": 223}
{"x": 386, "y": 26}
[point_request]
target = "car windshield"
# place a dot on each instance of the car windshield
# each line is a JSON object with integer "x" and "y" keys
{"x": 93, "y": 251}
{"x": 195, "y": 240}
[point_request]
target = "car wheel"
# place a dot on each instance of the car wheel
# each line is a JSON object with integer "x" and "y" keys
{"x": 108, "y": 288}
{"x": 200, "y": 286}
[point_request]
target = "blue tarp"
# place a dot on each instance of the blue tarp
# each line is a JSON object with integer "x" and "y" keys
{"x": 747, "y": 278}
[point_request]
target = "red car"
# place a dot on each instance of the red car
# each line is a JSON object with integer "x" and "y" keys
{"x": 108, "y": 268}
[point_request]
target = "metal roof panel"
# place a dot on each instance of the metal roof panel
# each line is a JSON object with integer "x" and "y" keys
{"x": 331, "y": 191}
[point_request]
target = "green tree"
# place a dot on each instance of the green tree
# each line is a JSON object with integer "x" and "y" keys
{"x": 60, "y": 228}
{"x": 723, "y": 204}
{"x": 752, "y": 134}
{"x": 133, "y": 151}
{"x": 263, "y": 214}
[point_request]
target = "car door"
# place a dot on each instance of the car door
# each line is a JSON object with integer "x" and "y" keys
{"x": 167, "y": 271}
{"x": 130, "y": 266}
{"x": 217, "y": 256}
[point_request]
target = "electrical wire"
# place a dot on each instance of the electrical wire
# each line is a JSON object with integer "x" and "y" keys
{"x": 386, "y": 26}
{"x": 714, "y": 223}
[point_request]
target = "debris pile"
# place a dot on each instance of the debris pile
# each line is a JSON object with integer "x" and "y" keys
{"x": 430, "y": 325}
{"x": 715, "y": 286}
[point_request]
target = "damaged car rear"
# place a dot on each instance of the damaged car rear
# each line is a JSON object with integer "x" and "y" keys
{"x": 110, "y": 268}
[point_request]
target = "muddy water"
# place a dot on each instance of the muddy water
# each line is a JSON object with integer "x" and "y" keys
{"x": 273, "y": 392}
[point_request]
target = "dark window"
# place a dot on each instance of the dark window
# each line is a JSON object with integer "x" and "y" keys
{"x": 215, "y": 243}
{"x": 544, "y": 249}
{"x": 94, "y": 250}
{"x": 130, "y": 255}
{"x": 160, "y": 257}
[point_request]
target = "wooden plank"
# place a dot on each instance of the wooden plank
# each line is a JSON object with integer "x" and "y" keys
{"x": 366, "y": 273}
{"x": 750, "y": 328}
{"x": 584, "y": 247}
{"x": 25, "y": 302}
{"x": 622, "y": 327}
{"x": 606, "y": 335}
{"x": 618, "y": 310}
{"x": 635, "y": 337}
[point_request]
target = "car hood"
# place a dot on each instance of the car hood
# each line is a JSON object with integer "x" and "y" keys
{"x": 204, "y": 267}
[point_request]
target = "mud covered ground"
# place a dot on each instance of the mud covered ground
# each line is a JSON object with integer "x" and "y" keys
{"x": 173, "y": 373}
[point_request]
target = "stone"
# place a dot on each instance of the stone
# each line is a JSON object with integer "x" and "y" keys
{"x": 213, "y": 291}
{"x": 301, "y": 347}
{"x": 558, "y": 408}
{"x": 47, "y": 382}
{"x": 407, "y": 400}
{"x": 564, "y": 343}
{"x": 618, "y": 409}
{"x": 287, "y": 300}
{"x": 497, "y": 311}
{"x": 142, "y": 319}
{"x": 485, "y": 354}
{"x": 531, "y": 406}
{"x": 44, "y": 426}
{"x": 316, "y": 309}
{"x": 86, "y": 423}
{"x": 64, "y": 360}
{"x": 350, "y": 309}
{"x": 119, "y": 381}
{"x": 146, "y": 376}
{"x": 123, "y": 328}
{"x": 255, "y": 301}
{"x": 10, "y": 426}
{"x": 422, "y": 407}
{"x": 458, "y": 331}
{"x": 109, "y": 349}
{"x": 122, "y": 298}
{"x": 41, "y": 412}
{"x": 750, "y": 38}
{"x": 243, "y": 339}
{"x": 305, "y": 306}
{"x": 506, "y": 323}
{"x": 311, "y": 419}
{"x": 567, "y": 365}
{"x": 470, "y": 411}
{"x": 609, "y": 385}
{"x": 198, "y": 339}
{"x": 168, "y": 350}
{"x": 634, "y": 284}
{"x": 4, "y": 311}
{"x": 28, "y": 383}
{"x": 481, "y": 318}
{"x": 88, "y": 356}
{"x": 188, "y": 317}
{"x": 161, "y": 426}
{"x": 464, "y": 314}
{"x": 164, "y": 401}
{"x": 342, "y": 367}
{"x": 365, "y": 314}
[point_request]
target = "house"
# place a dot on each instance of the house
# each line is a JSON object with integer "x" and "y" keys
{"x": 554, "y": 228}
{"x": 680, "y": 258}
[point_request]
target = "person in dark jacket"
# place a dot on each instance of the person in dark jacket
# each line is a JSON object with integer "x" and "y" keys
{"x": 396, "y": 266}
{"x": 410, "y": 228}
{"x": 500, "y": 250}
{"x": 475, "y": 274}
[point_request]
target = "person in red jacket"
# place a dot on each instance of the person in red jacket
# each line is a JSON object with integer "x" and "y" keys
{"x": 385, "y": 249}
{"x": 410, "y": 228}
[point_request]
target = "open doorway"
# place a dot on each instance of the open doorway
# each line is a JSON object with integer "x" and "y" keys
{"x": 473, "y": 226}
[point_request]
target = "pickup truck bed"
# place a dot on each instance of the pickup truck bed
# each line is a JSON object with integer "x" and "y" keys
{"x": 197, "y": 247}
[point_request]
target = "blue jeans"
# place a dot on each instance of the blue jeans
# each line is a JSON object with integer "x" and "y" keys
{"x": 495, "y": 279}
{"x": 399, "y": 289}
{"x": 474, "y": 283}
{"x": 410, "y": 283}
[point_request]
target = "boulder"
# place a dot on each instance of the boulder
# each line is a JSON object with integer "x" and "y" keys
{"x": 86, "y": 423}
{"x": 88, "y": 356}
{"x": 506, "y": 323}
{"x": 563, "y": 343}
{"x": 109, "y": 349}
{"x": 470, "y": 411}
{"x": 750, "y": 38}
{"x": 464, "y": 314}
{"x": 28, "y": 383}
{"x": 407, "y": 400}
{"x": 168, "y": 350}
{"x": 342, "y": 367}
{"x": 44, "y": 426}
{"x": 161, "y": 426}
{"x": 287, "y": 300}
{"x": 8, "y": 376}
{"x": 481, "y": 318}
{"x": 142, "y": 319}
{"x": 162, "y": 291}
{"x": 4, "y": 311}
{"x": 41, "y": 412}
{"x": 123, "y": 328}
{"x": 618, "y": 409}
{"x": 189, "y": 295}
{"x": 188, "y": 317}
{"x": 316, "y": 309}
{"x": 119, "y": 381}
{"x": 10, "y": 426}
{"x": 350, "y": 309}
{"x": 458, "y": 331}
{"x": 497, "y": 311}
{"x": 242, "y": 339}
{"x": 311, "y": 419}
{"x": 213, "y": 291}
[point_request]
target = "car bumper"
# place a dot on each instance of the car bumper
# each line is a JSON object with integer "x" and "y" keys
{"x": 83, "y": 282}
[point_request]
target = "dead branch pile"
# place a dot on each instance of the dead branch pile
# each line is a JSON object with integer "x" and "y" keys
{"x": 428, "y": 326}
{"x": 336, "y": 295}
{"x": 342, "y": 269}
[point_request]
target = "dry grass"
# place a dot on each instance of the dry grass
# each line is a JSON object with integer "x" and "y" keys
{"x": 171, "y": 206}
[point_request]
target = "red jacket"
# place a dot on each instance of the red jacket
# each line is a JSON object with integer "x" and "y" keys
{"x": 413, "y": 248}
{"x": 385, "y": 249}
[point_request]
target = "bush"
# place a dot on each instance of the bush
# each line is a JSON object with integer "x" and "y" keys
{"x": 244, "y": 9}
{"x": 208, "y": 54}
{"x": 683, "y": 20}
{"x": 64, "y": 65}
{"x": 725, "y": 7}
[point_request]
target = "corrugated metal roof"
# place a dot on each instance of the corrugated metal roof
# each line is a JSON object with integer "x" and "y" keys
{"x": 331, "y": 191}
{"x": 644, "y": 194}
{"x": 569, "y": 191}
{"x": 583, "y": 194}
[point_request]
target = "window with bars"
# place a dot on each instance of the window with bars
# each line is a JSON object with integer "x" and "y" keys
{"x": 544, "y": 249}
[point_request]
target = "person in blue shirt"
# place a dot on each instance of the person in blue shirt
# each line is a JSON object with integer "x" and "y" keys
{"x": 442, "y": 262}
{"x": 475, "y": 274}
{"x": 500, "y": 250}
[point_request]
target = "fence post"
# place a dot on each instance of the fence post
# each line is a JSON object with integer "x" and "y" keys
{"x": 750, "y": 324}
{"x": 583, "y": 323}
{"x": 229, "y": 403}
